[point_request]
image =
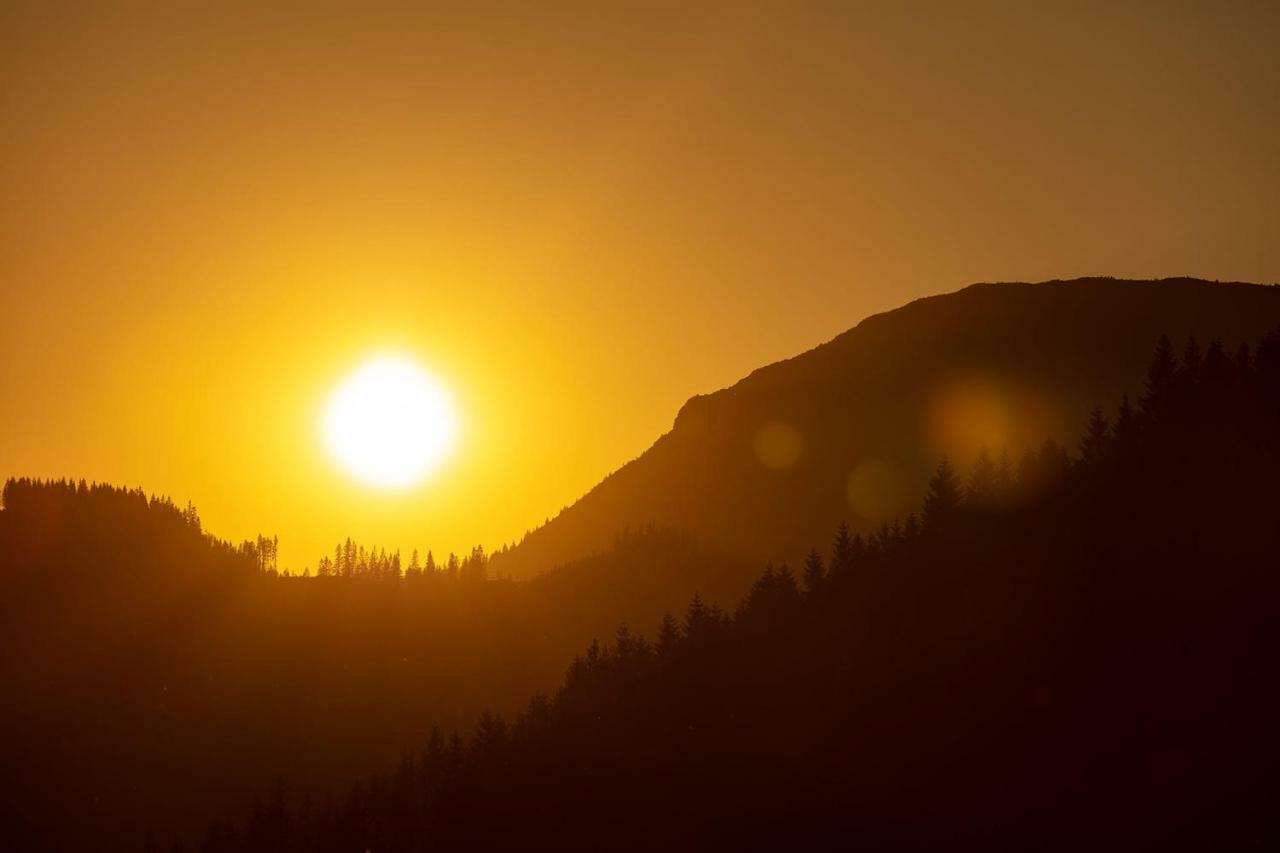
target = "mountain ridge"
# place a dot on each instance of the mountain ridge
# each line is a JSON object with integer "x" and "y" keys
{"x": 1021, "y": 344}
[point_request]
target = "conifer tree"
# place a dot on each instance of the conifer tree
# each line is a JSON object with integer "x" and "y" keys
{"x": 982, "y": 482}
{"x": 623, "y": 643}
{"x": 1097, "y": 436}
{"x": 814, "y": 573}
{"x": 786, "y": 589}
{"x": 1243, "y": 362}
{"x": 668, "y": 636}
{"x": 942, "y": 499}
{"x": 842, "y": 557}
{"x": 435, "y": 750}
{"x": 1216, "y": 369}
{"x": 1161, "y": 376}
{"x": 695, "y": 618}
{"x": 1192, "y": 361}
{"x": 1126, "y": 428}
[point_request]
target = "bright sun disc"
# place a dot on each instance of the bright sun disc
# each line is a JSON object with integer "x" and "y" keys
{"x": 390, "y": 423}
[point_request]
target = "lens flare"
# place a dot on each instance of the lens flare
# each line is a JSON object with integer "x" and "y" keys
{"x": 778, "y": 445}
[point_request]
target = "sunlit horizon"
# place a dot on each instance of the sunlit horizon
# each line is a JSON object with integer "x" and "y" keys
{"x": 581, "y": 222}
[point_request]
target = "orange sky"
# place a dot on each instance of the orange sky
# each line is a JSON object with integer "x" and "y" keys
{"x": 577, "y": 219}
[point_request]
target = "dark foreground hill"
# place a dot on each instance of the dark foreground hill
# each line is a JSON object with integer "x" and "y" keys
{"x": 850, "y": 430}
{"x": 1075, "y": 656}
{"x": 155, "y": 676}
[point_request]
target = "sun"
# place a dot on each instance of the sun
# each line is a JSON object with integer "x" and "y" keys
{"x": 390, "y": 423}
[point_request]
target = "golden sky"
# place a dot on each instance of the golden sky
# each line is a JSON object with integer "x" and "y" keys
{"x": 576, "y": 218}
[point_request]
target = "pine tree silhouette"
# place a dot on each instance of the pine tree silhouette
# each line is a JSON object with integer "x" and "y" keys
{"x": 814, "y": 573}
{"x": 1097, "y": 436}
{"x": 942, "y": 499}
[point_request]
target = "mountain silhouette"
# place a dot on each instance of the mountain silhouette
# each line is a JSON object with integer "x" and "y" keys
{"x": 1074, "y": 655}
{"x": 144, "y": 648}
{"x": 850, "y": 430}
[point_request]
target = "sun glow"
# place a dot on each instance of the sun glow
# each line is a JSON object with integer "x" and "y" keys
{"x": 390, "y": 423}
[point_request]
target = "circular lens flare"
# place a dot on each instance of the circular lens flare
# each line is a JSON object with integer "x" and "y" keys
{"x": 390, "y": 423}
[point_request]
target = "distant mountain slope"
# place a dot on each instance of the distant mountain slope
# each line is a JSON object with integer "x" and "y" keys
{"x": 848, "y": 430}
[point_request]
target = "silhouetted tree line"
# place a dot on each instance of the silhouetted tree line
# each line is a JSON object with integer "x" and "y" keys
{"x": 68, "y": 508}
{"x": 1070, "y": 652}
{"x": 63, "y": 509}
{"x": 353, "y": 560}
{"x": 154, "y": 673}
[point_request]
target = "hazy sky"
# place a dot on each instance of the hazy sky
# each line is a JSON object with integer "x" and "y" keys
{"x": 577, "y": 219}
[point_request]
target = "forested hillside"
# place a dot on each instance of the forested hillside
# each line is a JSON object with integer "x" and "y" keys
{"x": 139, "y": 648}
{"x": 1072, "y": 652}
{"x": 1070, "y": 639}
